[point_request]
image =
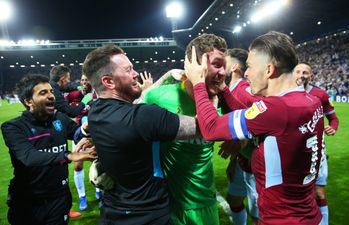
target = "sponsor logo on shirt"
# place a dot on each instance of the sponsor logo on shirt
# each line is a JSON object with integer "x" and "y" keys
{"x": 256, "y": 109}
{"x": 57, "y": 125}
{"x": 310, "y": 126}
{"x": 55, "y": 149}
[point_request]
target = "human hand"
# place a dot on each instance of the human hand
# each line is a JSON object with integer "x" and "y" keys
{"x": 329, "y": 131}
{"x": 195, "y": 72}
{"x": 83, "y": 144}
{"x": 146, "y": 79}
{"x": 89, "y": 154}
{"x": 178, "y": 74}
{"x": 229, "y": 148}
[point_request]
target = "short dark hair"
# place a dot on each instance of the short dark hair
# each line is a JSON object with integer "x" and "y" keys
{"x": 240, "y": 55}
{"x": 280, "y": 49}
{"x": 205, "y": 43}
{"x": 98, "y": 64}
{"x": 57, "y": 72}
{"x": 24, "y": 88}
{"x": 306, "y": 63}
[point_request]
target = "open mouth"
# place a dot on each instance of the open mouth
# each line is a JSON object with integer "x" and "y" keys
{"x": 50, "y": 106}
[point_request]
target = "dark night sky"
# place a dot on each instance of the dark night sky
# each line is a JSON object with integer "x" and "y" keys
{"x": 97, "y": 19}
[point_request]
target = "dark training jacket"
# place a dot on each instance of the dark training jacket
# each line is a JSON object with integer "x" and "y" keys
{"x": 37, "y": 151}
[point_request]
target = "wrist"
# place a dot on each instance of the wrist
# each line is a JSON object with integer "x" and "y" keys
{"x": 67, "y": 156}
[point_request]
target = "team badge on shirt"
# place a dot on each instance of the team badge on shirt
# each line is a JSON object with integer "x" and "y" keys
{"x": 331, "y": 103}
{"x": 256, "y": 109}
{"x": 58, "y": 125}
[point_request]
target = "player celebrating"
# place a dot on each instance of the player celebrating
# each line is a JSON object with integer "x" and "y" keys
{"x": 304, "y": 75}
{"x": 287, "y": 123}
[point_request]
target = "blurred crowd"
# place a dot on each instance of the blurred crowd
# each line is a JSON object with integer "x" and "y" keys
{"x": 329, "y": 57}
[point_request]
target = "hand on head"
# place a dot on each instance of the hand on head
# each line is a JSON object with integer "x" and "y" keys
{"x": 195, "y": 72}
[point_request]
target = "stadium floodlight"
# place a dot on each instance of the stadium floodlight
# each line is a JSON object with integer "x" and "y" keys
{"x": 5, "y": 10}
{"x": 269, "y": 10}
{"x": 174, "y": 10}
{"x": 237, "y": 29}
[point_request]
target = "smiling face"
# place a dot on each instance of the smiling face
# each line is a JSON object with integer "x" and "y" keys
{"x": 257, "y": 72}
{"x": 125, "y": 78}
{"x": 303, "y": 74}
{"x": 85, "y": 83}
{"x": 215, "y": 71}
{"x": 42, "y": 101}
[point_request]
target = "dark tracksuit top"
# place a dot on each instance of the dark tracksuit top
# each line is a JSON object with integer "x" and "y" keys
{"x": 62, "y": 105}
{"x": 37, "y": 153}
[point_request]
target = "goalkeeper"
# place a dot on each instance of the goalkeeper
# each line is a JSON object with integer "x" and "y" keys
{"x": 188, "y": 164}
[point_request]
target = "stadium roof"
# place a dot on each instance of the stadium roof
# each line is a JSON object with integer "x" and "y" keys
{"x": 306, "y": 19}
{"x": 300, "y": 17}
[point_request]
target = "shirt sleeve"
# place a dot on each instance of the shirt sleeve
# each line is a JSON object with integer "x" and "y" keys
{"x": 239, "y": 124}
{"x": 23, "y": 150}
{"x": 212, "y": 126}
{"x": 239, "y": 96}
{"x": 63, "y": 106}
{"x": 155, "y": 123}
{"x": 329, "y": 111}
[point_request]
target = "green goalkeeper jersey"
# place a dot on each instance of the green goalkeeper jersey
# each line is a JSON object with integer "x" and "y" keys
{"x": 187, "y": 165}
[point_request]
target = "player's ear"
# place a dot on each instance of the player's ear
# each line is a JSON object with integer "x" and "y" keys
{"x": 108, "y": 82}
{"x": 235, "y": 67}
{"x": 28, "y": 102}
{"x": 271, "y": 70}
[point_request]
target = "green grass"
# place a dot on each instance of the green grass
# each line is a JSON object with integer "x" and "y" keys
{"x": 337, "y": 188}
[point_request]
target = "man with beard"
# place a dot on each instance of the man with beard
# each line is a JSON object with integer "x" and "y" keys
{"x": 59, "y": 80}
{"x": 187, "y": 164}
{"x": 239, "y": 174}
{"x": 126, "y": 137}
{"x": 304, "y": 75}
{"x": 37, "y": 141}
{"x": 287, "y": 123}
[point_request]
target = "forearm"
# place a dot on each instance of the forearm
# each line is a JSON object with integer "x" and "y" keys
{"x": 212, "y": 126}
{"x": 187, "y": 128}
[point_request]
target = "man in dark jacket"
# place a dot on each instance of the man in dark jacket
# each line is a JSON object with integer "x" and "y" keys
{"x": 59, "y": 80}
{"x": 37, "y": 142}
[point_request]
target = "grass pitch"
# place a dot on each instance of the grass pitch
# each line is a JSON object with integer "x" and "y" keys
{"x": 337, "y": 188}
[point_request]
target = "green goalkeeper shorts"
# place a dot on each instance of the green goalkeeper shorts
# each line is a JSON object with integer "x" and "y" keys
{"x": 201, "y": 216}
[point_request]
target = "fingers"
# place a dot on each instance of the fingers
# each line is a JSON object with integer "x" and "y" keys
{"x": 193, "y": 56}
{"x": 142, "y": 76}
{"x": 145, "y": 76}
{"x": 186, "y": 64}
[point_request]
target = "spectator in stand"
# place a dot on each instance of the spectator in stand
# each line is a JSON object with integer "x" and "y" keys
{"x": 304, "y": 75}
{"x": 59, "y": 80}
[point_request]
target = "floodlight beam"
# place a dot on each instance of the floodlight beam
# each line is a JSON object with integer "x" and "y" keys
{"x": 5, "y": 11}
{"x": 174, "y": 10}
